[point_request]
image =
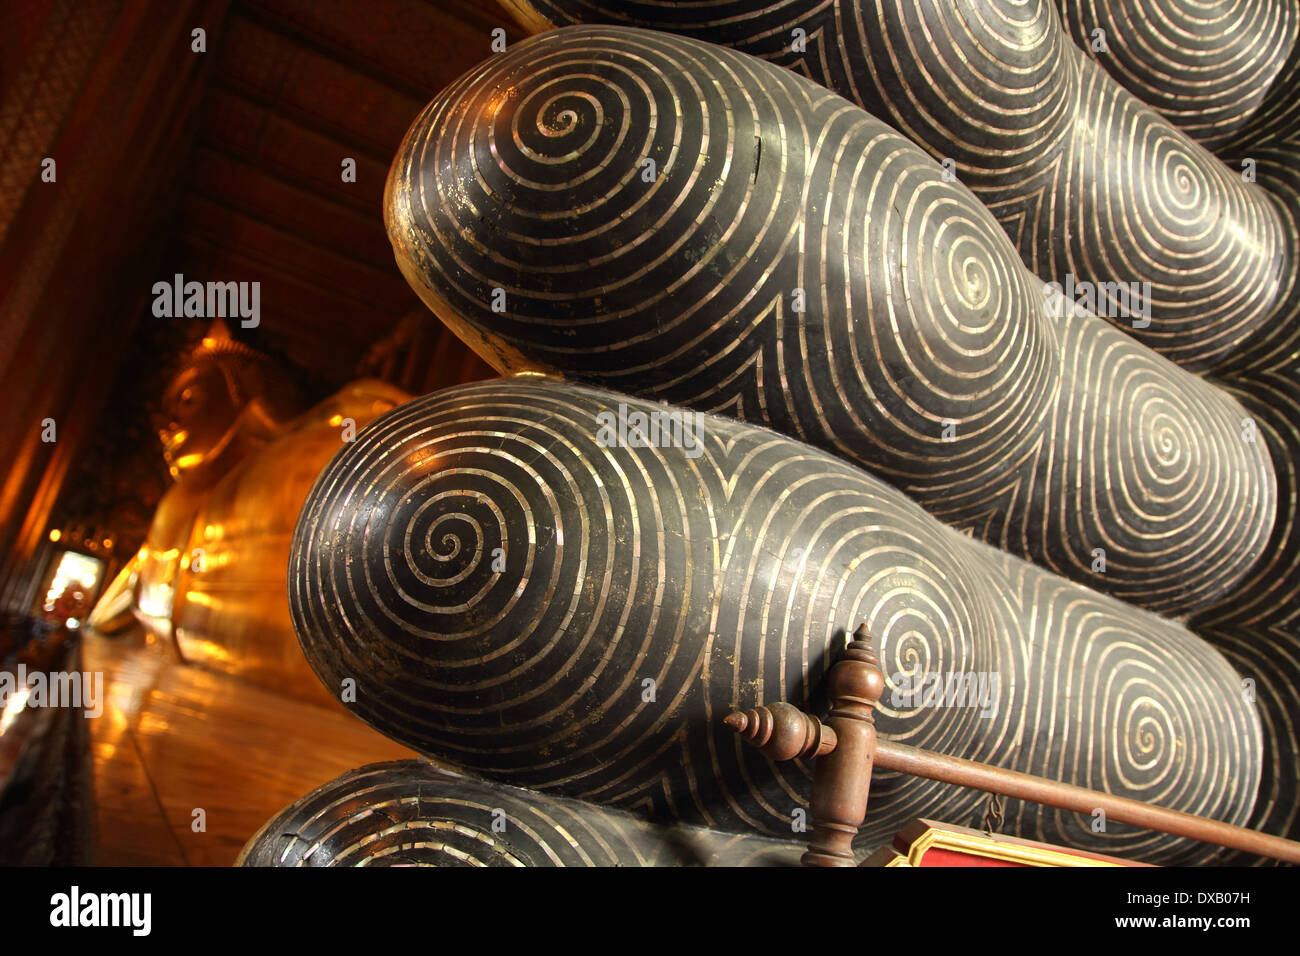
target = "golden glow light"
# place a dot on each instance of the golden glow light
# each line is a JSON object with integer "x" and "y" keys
{"x": 73, "y": 569}
{"x": 12, "y": 708}
{"x": 56, "y": 534}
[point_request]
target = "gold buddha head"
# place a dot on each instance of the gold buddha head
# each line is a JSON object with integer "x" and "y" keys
{"x": 226, "y": 399}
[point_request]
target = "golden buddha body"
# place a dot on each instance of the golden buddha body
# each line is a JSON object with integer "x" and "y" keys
{"x": 211, "y": 575}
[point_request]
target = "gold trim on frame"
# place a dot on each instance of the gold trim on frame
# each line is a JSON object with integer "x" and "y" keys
{"x": 943, "y": 836}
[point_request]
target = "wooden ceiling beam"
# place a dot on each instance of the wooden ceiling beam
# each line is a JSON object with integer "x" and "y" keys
{"x": 412, "y": 46}
{"x": 337, "y": 316}
{"x": 243, "y": 127}
{"x": 307, "y": 85}
{"x": 292, "y": 255}
{"x": 317, "y": 216}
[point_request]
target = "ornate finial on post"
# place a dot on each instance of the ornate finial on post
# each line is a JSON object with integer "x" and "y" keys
{"x": 845, "y": 744}
{"x": 842, "y": 778}
{"x": 782, "y": 731}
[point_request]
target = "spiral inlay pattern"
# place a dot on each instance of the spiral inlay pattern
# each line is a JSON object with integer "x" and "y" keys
{"x": 1203, "y": 64}
{"x": 516, "y": 595}
{"x": 1258, "y": 626}
{"x": 410, "y": 813}
{"x": 788, "y": 260}
{"x": 1086, "y": 179}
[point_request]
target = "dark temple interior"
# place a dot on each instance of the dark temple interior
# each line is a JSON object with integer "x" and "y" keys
{"x": 208, "y": 166}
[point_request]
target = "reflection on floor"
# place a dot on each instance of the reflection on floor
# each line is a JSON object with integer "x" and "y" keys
{"x": 44, "y": 749}
{"x": 174, "y": 740}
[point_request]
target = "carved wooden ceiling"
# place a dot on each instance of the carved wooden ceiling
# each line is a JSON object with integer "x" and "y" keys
{"x": 298, "y": 86}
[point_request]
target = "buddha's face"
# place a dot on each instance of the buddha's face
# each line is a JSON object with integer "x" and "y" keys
{"x": 199, "y": 411}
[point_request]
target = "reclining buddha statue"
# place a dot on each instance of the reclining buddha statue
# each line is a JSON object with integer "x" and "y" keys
{"x": 243, "y": 451}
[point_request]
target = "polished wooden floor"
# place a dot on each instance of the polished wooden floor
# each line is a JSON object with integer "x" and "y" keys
{"x": 174, "y": 739}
